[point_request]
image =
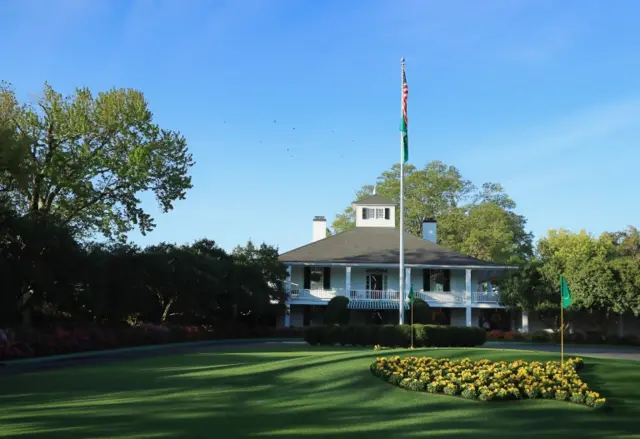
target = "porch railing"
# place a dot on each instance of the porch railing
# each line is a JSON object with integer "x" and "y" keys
{"x": 458, "y": 297}
{"x": 316, "y": 294}
{"x": 485, "y": 297}
{"x": 374, "y": 295}
{"x": 443, "y": 296}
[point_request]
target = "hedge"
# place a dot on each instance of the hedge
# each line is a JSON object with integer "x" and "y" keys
{"x": 26, "y": 343}
{"x": 395, "y": 335}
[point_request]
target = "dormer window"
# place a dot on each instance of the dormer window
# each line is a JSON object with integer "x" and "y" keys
{"x": 376, "y": 213}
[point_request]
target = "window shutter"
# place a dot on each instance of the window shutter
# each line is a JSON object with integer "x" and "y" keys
{"x": 364, "y": 213}
{"x": 326, "y": 280}
{"x": 387, "y": 213}
{"x": 447, "y": 280}
{"x": 307, "y": 278}
{"x": 426, "y": 275}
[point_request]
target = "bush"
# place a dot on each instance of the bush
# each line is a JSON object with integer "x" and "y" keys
{"x": 541, "y": 336}
{"x": 396, "y": 335}
{"x": 485, "y": 380}
{"x": 421, "y": 312}
{"x": 26, "y": 343}
{"x": 337, "y": 312}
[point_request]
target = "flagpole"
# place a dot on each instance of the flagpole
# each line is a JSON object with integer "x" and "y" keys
{"x": 561, "y": 333}
{"x": 412, "y": 300}
{"x": 401, "y": 274}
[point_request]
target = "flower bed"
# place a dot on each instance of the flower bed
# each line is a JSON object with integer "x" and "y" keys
{"x": 27, "y": 343}
{"x": 485, "y": 380}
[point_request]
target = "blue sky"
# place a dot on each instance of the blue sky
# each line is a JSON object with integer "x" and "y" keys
{"x": 540, "y": 96}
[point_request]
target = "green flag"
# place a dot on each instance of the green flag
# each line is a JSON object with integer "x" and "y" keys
{"x": 566, "y": 294}
{"x": 404, "y": 122}
{"x": 411, "y": 295}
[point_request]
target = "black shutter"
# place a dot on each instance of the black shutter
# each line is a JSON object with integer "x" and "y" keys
{"x": 326, "y": 280}
{"x": 447, "y": 280}
{"x": 307, "y": 278}
{"x": 364, "y": 213}
{"x": 387, "y": 213}
{"x": 426, "y": 274}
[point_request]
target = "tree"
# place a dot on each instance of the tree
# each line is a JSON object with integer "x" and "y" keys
{"x": 40, "y": 264}
{"x": 480, "y": 223}
{"x": 586, "y": 263}
{"x": 90, "y": 157}
{"x": 487, "y": 231}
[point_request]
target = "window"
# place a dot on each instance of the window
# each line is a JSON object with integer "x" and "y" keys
{"x": 436, "y": 280}
{"x": 376, "y": 282}
{"x": 376, "y": 213}
{"x": 317, "y": 278}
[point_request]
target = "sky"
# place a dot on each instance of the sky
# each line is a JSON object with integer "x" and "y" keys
{"x": 290, "y": 106}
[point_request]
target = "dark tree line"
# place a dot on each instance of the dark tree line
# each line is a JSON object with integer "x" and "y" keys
{"x": 49, "y": 276}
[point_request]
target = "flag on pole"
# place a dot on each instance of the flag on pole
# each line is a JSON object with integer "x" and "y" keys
{"x": 411, "y": 295}
{"x": 404, "y": 122}
{"x": 566, "y": 294}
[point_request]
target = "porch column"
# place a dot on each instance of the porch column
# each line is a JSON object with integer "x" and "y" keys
{"x": 467, "y": 287}
{"x": 347, "y": 282}
{"x": 407, "y": 280}
{"x": 525, "y": 321}
{"x": 287, "y": 306}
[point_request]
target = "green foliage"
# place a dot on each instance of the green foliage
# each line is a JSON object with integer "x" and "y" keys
{"x": 396, "y": 335}
{"x": 480, "y": 223}
{"x": 337, "y": 312}
{"x": 421, "y": 312}
{"x": 89, "y": 159}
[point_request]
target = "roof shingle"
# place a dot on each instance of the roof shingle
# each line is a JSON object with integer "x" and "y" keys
{"x": 378, "y": 245}
{"x": 375, "y": 200}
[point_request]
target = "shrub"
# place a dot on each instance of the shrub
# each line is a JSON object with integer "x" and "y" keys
{"x": 29, "y": 342}
{"x": 337, "y": 312}
{"x": 541, "y": 336}
{"x": 421, "y": 312}
{"x": 631, "y": 340}
{"x": 396, "y": 335}
{"x": 485, "y": 380}
{"x": 594, "y": 337}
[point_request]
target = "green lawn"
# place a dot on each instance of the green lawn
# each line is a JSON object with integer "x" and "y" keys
{"x": 291, "y": 392}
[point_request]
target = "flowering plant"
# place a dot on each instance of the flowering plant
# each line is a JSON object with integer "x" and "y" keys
{"x": 486, "y": 380}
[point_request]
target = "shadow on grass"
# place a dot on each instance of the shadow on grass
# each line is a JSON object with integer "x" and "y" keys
{"x": 292, "y": 392}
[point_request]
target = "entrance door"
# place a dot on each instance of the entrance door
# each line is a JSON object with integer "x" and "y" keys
{"x": 376, "y": 284}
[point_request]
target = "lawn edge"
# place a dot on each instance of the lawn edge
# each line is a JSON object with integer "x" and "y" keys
{"x": 137, "y": 349}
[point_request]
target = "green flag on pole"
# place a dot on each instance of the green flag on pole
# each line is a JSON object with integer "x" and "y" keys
{"x": 404, "y": 122}
{"x": 566, "y": 294}
{"x": 411, "y": 295}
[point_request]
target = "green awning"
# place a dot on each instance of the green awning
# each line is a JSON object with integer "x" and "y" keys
{"x": 375, "y": 304}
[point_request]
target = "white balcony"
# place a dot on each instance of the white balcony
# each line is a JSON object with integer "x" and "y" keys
{"x": 433, "y": 298}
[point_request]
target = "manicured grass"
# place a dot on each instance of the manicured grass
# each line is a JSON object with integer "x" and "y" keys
{"x": 296, "y": 391}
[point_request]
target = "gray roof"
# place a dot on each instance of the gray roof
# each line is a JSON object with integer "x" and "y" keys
{"x": 378, "y": 245}
{"x": 376, "y": 200}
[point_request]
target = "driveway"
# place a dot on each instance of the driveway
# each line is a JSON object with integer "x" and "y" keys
{"x": 621, "y": 352}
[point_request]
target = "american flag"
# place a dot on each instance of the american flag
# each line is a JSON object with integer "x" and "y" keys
{"x": 405, "y": 96}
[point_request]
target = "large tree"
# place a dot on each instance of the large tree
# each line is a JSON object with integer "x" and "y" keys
{"x": 91, "y": 156}
{"x": 479, "y": 222}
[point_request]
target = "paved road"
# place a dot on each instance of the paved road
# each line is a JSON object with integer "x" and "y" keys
{"x": 622, "y": 352}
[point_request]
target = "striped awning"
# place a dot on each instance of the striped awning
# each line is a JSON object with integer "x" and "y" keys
{"x": 375, "y": 304}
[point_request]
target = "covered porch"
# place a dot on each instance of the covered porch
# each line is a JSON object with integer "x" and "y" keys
{"x": 377, "y": 287}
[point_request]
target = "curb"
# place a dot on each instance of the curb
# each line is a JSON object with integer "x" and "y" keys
{"x": 137, "y": 349}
